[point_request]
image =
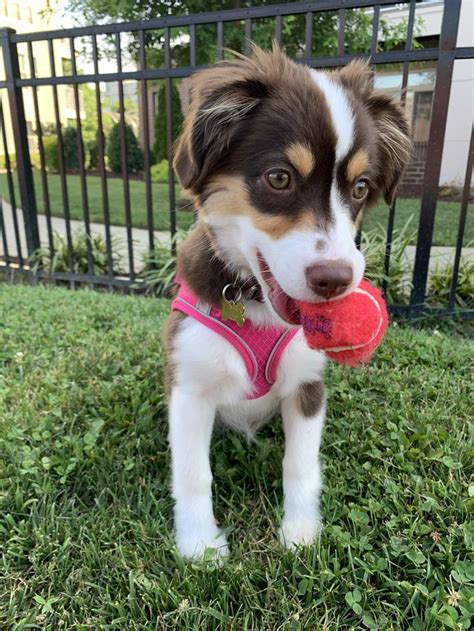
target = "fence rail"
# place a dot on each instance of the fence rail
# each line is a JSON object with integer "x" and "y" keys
{"x": 165, "y": 38}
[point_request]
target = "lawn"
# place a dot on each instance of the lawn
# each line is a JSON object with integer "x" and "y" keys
{"x": 445, "y": 229}
{"x": 85, "y": 508}
{"x": 116, "y": 200}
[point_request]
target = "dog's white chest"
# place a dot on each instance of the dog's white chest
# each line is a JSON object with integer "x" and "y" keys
{"x": 213, "y": 368}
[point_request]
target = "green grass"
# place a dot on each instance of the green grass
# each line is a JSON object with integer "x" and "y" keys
{"x": 445, "y": 229}
{"x": 446, "y": 222}
{"x": 85, "y": 512}
{"x": 116, "y": 200}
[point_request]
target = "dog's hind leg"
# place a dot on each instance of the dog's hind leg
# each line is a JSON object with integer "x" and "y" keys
{"x": 191, "y": 419}
{"x": 303, "y": 419}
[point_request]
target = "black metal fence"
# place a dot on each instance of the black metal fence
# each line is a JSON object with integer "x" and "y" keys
{"x": 160, "y": 53}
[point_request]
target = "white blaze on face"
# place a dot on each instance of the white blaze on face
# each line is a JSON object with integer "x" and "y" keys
{"x": 289, "y": 256}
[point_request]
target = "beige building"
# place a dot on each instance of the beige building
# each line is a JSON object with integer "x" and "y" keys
{"x": 24, "y": 16}
{"x": 421, "y": 84}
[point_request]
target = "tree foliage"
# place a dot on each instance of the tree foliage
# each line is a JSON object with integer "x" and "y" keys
{"x": 134, "y": 151}
{"x": 358, "y": 28}
{"x": 160, "y": 147}
{"x": 71, "y": 157}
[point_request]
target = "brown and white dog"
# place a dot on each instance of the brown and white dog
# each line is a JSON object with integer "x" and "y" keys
{"x": 281, "y": 161}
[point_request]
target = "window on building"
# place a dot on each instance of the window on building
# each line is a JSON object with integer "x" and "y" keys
{"x": 421, "y": 117}
{"x": 26, "y": 14}
{"x": 29, "y": 128}
{"x": 23, "y": 63}
{"x": 66, "y": 66}
{"x": 14, "y": 11}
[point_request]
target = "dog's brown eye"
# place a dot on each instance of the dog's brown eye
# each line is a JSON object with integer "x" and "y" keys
{"x": 278, "y": 178}
{"x": 360, "y": 190}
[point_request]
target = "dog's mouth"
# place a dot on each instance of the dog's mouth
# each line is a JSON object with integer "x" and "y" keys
{"x": 285, "y": 306}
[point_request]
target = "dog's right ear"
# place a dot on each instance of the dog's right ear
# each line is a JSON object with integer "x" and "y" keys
{"x": 220, "y": 101}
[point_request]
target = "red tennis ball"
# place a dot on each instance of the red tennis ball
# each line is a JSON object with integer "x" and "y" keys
{"x": 347, "y": 330}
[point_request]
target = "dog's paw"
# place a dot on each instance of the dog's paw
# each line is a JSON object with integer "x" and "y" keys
{"x": 302, "y": 531}
{"x": 208, "y": 546}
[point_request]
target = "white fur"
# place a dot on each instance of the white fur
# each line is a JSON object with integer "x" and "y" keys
{"x": 290, "y": 256}
{"x": 340, "y": 109}
{"x": 211, "y": 381}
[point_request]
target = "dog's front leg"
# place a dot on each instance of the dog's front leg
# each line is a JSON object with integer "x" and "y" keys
{"x": 191, "y": 419}
{"x": 303, "y": 420}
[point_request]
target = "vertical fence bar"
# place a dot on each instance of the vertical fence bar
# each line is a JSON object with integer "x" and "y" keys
{"x": 308, "y": 35}
{"x": 169, "y": 141}
{"x": 20, "y": 135}
{"x": 192, "y": 45}
{"x": 146, "y": 144}
{"x": 39, "y": 135}
{"x": 408, "y": 46}
{"x": 278, "y": 25}
{"x": 6, "y": 254}
{"x": 220, "y": 41}
{"x": 61, "y": 163}
{"x": 11, "y": 189}
{"x": 462, "y": 222}
{"x": 439, "y": 115}
{"x": 403, "y": 93}
{"x": 124, "y": 162}
{"x": 102, "y": 169}
{"x": 375, "y": 29}
{"x": 82, "y": 160}
{"x": 341, "y": 32}
{"x": 248, "y": 36}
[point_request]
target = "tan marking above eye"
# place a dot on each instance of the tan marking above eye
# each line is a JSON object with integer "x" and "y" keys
{"x": 357, "y": 165}
{"x": 301, "y": 157}
{"x": 228, "y": 196}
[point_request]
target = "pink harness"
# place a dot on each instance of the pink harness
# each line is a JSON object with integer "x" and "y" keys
{"x": 260, "y": 348}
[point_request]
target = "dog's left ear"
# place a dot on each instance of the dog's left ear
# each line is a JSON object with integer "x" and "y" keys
{"x": 394, "y": 143}
{"x": 393, "y": 134}
{"x": 221, "y": 100}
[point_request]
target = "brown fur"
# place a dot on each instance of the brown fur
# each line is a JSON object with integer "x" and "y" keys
{"x": 221, "y": 100}
{"x": 248, "y": 114}
{"x": 311, "y": 398}
{"x": 357, "y": 165}
{"x": 301, "y": 157}
{"x": 200, "y": 265}
{"x": 358, "y": 77}
{"x": 228, "y": 195}
{"x": 170, "y": 331}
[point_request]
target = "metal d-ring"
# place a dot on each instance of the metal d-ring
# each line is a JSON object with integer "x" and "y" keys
{"x": 236, "y": 298}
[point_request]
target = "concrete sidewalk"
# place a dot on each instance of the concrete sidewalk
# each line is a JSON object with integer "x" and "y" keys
{"x": 118, "y": 234}
{"x": 440, "y": 255}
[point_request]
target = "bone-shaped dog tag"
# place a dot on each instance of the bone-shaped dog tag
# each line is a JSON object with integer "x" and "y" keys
{"x": 232, "y": 309}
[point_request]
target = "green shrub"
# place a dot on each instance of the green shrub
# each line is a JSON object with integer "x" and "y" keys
{"x": 35, "y": 160}
{"x": 134, "y": 151}
{"x": 59, "y": 262}
{"x": 159, "y": 147}
{"x": 159, "y": 265}
{"x": 71, "y": 156}
{"x": 439, "y": 284}
{"x": 93, "y": 150}
{"x": 50, "y": 145}
{"x": 12, "y": 161}
{"x": 373, "y": 247}
{"x": 159, "y": 172}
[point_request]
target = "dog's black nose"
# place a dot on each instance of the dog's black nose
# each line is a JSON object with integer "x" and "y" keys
{"x": 330, "y": 279}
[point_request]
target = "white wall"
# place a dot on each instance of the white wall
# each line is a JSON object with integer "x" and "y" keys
{"x": 461, "y": 104}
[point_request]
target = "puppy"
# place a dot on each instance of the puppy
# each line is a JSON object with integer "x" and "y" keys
{"x": 281, "y": 161}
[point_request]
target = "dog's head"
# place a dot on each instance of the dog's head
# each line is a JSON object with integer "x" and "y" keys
{"x": 282, "y": 161}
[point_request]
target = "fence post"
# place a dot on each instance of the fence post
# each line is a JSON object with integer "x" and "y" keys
{"x": 20, "y": 135}
{"x": 439, "y": 115}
